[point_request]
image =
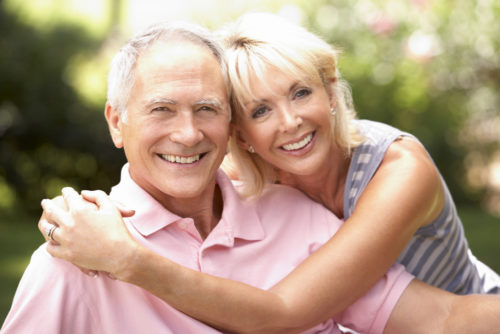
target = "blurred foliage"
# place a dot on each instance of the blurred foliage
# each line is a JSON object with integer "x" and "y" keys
{"x": 428, "y": 67}
{"x": 431, "y": 68}
{"x": 49, "y": 137}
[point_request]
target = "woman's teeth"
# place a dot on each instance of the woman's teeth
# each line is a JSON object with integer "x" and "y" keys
{"x": 298, "y": 145}
{"x": 180, "y": 160}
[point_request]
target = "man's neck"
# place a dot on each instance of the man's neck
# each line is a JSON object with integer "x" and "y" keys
{"x": 205, "y": 210}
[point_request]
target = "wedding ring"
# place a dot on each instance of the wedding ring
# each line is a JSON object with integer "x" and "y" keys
{"x": 50, "y": 233}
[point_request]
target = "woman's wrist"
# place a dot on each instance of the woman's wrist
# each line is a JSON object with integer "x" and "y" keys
{"x": 129, "y": 261}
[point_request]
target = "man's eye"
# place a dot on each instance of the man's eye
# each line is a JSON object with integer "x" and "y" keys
{"x": 302, "y": 92}
{"x": 160, "y": 109}
{"x": 259, "y": 112}
{"x": 207, "y": 108}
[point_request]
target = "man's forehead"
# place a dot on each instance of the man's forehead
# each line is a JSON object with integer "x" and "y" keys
{"x": 167, "y": 70}
{"x": 177, "y": 51}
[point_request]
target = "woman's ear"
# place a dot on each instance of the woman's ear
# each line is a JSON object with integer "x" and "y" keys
{"x": 113, "y": 117}
{"x": 330, "y": 90}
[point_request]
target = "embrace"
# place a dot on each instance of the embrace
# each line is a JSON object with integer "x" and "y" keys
{"x": 317, "y": 222}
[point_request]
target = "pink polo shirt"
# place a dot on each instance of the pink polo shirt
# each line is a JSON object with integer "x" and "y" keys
{"x": 256, "y": 243}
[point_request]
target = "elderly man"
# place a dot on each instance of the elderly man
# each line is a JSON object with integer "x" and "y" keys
{"x": 168, "y": 109}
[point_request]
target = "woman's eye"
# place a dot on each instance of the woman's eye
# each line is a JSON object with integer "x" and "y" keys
{"x": 302, "y": 92}
{"x": 259, "y": 112}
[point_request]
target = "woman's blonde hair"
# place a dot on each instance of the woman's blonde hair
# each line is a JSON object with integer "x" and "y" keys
{"x": 257, "y": 42}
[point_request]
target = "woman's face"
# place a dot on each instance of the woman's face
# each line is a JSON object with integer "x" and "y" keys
{"x": 288, "y": 123}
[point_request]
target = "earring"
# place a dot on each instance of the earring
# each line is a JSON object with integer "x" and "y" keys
{"x": 333, "y": 111}
{"x": 250, "y": 149}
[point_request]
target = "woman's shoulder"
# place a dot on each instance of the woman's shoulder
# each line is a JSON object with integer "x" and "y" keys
{"x": 375, "y": 131}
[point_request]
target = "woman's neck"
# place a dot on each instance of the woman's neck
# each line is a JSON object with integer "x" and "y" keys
{"x": 325, "y": 186}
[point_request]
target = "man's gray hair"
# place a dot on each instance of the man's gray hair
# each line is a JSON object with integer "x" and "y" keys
{"x": 122, "y": 74}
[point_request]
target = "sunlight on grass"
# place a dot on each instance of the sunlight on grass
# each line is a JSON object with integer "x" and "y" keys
{"x": 14, "y": 266}
{"x": 91, "y": 15}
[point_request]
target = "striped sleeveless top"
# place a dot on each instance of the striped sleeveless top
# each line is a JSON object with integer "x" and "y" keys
{"x": 438, "y": 253}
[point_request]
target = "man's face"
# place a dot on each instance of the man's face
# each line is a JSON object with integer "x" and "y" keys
{"x": 177, "y": 125}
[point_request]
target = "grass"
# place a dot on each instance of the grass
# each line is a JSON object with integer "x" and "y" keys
{"x": 483, "y": 233}
{"x": 19, "y": 237}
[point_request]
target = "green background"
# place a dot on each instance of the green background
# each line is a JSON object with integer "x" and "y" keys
{"x": 428, "y": 67}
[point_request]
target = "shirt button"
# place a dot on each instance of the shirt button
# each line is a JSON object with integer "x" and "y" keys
{"x": 183, "y": 225}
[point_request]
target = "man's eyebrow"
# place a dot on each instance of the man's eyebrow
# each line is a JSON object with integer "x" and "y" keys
{"x": 160, "y": 101}
{"x": 211, "y": 102}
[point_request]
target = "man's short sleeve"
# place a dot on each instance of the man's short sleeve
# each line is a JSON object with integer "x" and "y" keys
{"x": 370, "y": 313}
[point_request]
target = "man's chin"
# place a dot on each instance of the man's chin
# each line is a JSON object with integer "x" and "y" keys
{"x": 186, "y": 190}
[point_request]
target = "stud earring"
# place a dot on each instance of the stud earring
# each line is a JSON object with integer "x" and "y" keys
{"x": 250, "y": 149}
{"x": 333, "y": 111}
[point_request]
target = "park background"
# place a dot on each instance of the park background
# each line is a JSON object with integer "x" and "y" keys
{"x": 429, "y": 67}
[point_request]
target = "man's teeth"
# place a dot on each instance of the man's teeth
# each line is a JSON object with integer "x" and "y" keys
{"x": 298, "y": 145}
{"x": 181, "y": 160}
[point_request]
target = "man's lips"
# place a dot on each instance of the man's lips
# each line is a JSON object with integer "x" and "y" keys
{"x": 182, "y": 159}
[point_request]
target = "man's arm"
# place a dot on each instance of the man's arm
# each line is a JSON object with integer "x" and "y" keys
{"x": 425, "y": 309}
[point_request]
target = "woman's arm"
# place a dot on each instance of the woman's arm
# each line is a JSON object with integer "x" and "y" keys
{"x": 404, "y": 194}
{"x": 95, "y": 237}
{"x": 426, "y": 309}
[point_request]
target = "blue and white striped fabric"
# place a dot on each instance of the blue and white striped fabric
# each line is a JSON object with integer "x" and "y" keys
{"x": 438, "y": 253}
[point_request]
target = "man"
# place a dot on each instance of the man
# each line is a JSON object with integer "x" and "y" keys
{"x": 170, "y": 113}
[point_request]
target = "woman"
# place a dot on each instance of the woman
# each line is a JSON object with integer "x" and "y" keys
{"x": 293, "y": 124}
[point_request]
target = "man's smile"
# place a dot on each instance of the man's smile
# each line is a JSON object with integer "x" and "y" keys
{"x": 181, "y": 159}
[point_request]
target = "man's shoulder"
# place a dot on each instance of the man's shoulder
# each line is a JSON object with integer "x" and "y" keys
{"x": 272, "y": 191}
{"x": 283, "y": 199}
{"x": 52, "y": 296}
{"x": 44, "y": 266}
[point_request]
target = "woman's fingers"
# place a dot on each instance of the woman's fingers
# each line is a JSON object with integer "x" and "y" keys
{"x": 48, "y": 230}
{"x": 99, "y": 197}
{"x": 74, "y": 201}
{"x": 102, "y": 200}
{"x": 41, "y": 226}
{"x": 124, "y": 211}
{"x": 44, "y": 221}
{"x": 88, "y": 272}
{"x": 53, "y": 213}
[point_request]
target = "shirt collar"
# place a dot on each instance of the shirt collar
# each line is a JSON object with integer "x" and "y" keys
{"x": 239, "y": 217}
{"x": 150, "y": 216}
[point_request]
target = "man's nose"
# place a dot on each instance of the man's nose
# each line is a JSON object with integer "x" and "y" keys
{"x": 290, "y": 120}
{"x": 186, "y": 131}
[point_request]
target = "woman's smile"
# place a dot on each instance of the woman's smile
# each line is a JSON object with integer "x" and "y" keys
{"x": 300, "y": 146}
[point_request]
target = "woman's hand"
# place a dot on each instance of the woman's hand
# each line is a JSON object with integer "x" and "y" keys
{"x": 89, "y": 231}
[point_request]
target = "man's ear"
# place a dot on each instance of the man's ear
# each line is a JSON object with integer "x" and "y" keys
{"x": 113, "y": 117}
